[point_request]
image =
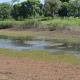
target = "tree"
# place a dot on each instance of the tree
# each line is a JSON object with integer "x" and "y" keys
{"x": 51, "y": 7}
{"x": 29, "y": 8}
{"x": 5, "y": 11}
{"x": 15, "y": 13}
{"x": 64, "y": 0}
{"x": 36, "y": 7}
{"x": 76, "y": 4}
{"x": 63, "y": 11}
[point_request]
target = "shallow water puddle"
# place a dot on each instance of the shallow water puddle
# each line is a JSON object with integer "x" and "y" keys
{"x": 36, "y": 45}
{"x": 26, "y": 45}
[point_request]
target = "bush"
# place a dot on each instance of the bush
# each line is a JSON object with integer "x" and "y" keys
{"x": 5, "y": 24}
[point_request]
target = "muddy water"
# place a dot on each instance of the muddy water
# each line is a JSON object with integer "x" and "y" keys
{"x": 37, "y": 45}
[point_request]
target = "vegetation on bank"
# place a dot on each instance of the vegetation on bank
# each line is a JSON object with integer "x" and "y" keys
{"x": 34, "y": 14}
{"x": 40, "y": 56}
{"x": 44, "y": 23}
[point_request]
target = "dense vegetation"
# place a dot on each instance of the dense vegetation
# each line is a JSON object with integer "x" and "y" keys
{"x": 33, "y": 13}
{"x": 35, "y": 9}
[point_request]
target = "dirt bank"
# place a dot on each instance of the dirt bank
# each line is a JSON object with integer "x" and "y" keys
{"x": 26, "y": 69}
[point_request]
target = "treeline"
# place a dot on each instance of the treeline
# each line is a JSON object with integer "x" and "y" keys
{"x": 35, "y": 9}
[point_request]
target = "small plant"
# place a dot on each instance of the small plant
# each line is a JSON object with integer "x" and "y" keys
{"x": 5, "y": 24}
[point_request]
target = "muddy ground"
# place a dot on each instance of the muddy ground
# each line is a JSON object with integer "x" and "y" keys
{"x": 27, "y": 69}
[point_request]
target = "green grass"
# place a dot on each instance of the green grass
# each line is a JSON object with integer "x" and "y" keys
{"x": 41, "y": 22}
{"x": 41, "y": 56}
{"x": 63, "y": 22}
{"x": 28, "y": 23}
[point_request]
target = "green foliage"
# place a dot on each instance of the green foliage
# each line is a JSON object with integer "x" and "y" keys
{"x": 51, "y": 7}
{"x": 29, "y": 8}
{"x": 5, "y": 10}
{"x": 64, "y": 0}
{"x": 5, "y": 24}
{"x": 27, "y": 24}
{"x": 76, "y": 4}
{"x": 34, "y": 9}
{"x": 63, "y": 11}
{"x": 50, "y": 23}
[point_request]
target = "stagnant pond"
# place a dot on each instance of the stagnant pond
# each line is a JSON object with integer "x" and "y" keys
{"x": 36, "y": 45}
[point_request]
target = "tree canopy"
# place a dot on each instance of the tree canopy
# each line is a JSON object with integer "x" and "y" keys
{"x": 33, "y": 8}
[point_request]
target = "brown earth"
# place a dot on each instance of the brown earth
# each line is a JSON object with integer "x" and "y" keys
{"x": 26, "y": 69}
